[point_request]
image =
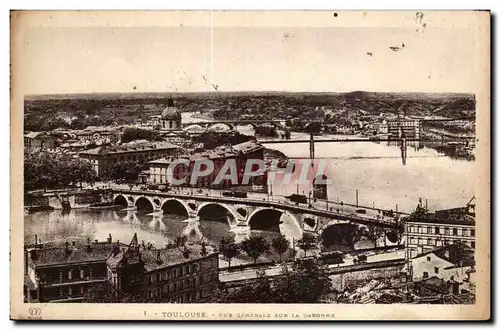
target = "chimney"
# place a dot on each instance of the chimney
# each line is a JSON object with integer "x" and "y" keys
{"x": 203, "y": 251}
{"x": 186, "y": 252}
{"x": 89, "y": 248}
{"x": 96, "y": 241}
{"x": 67, "y": 251}
{"x": 109, "y": 238}
{"x": 73, "y": 243}
{"x": 158, "y": 258}
{"x": 116, "y": 250}
{"x": 36, "y": 239}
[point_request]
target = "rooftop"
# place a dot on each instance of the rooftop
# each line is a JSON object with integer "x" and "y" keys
{"x": 114, "y": 253}
{"x": 457, "y": 254}
{"x": 457, "y": 216}
{"x": 103, "y": 150}
{"x": 161, "y": 258}
{"x": 33, "y": 135}
{"x": 220, "y": 152}
{"x": 58, "y": 254}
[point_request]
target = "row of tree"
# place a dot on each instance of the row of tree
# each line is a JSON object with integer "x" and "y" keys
{"x": 256, "y": 246}
{"x": 44, "y": 170}
{"x": 37, "y": 122}
{"x": 124, "y": 171}
{"x": 212, "y": 140}
{"x": 304, "y": 281}
{"x": 132, "y": 134}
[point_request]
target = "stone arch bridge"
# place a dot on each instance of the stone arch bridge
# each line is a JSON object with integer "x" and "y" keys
{"x": 231, "y": 124}
{"x": 244, "y": 211}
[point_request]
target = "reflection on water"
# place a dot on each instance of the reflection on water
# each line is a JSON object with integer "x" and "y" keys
{"x": 375, "y": 170}
{"x": 157, "y": 228}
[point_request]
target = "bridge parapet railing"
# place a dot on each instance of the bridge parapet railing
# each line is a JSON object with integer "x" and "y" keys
{"x": 305, "y": 209}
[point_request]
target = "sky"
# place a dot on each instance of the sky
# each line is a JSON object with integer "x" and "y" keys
{"x": 199, "y": 59}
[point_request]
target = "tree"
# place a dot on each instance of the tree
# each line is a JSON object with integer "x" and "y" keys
{"x": 127, "y": 171}
{"x": 229, "y": 249}
{"x": 306, "y": 281}
{"x": 132, "y": 134}
{"x": 107, "y": 293}
{"x": 255, "y": 247}
{"x": 211, "y": 140}
{"x": 44, "y": 170}
{"x": 280, "y": 245}
{"x": 307, "y": 242}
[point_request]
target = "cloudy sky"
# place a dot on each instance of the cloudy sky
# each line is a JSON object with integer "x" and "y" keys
{"x": 193, "y": 58}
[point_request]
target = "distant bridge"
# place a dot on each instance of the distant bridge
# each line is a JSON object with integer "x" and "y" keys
{"x": 448, "y": 119}
{"x": 264, "y": 141}
{"x": 231, "y": 124}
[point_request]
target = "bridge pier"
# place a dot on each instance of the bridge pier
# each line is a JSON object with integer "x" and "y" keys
{"x": 241, "y": 232}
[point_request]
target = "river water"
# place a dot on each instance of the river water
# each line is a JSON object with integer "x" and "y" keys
{"x": 374, "y": 169}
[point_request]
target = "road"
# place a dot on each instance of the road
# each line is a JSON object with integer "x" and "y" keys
{"x": 226, "y": 276}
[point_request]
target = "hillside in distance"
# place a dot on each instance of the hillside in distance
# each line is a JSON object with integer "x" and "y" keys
{"x": 127, "y": 107}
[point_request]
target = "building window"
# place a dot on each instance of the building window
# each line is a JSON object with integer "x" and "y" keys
{"x": 473, "y": 232}
{"x": 455, "y": 231}
{"x": 473, "y": 245}
{"x": 428, "y": 258}
{"x": 429, "y": 230}
{"x": 431, "y": 241}
{"x": 70, "y": 274}
{"x": 425, "y": 275}
{"x": 436, "y": 270}
{"x": 81, "y": 273}
{"x": 452, "y": 278}
{"x": 70, "y": 291}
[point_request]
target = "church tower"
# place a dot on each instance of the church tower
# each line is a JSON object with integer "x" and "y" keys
{"x": 170, "y": 118}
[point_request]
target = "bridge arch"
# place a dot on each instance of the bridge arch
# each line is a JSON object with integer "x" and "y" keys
{"x": 221, "y": 127}
{"x": 252, "y": 219}
{"x": 272, "y": 123}
{"x": 181, "y": 205}
{"x": 195, "y": 128}
{"x": 120, "y": 200}
{"x": 342, "y": 235}
{"x": 144, "y": 204}
{"x": 229, "y": 209}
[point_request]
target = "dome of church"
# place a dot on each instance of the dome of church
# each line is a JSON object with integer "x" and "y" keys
{"x": 171, "y": 113}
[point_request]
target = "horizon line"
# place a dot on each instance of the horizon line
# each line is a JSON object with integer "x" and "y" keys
{"x": 249, "y": 91}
